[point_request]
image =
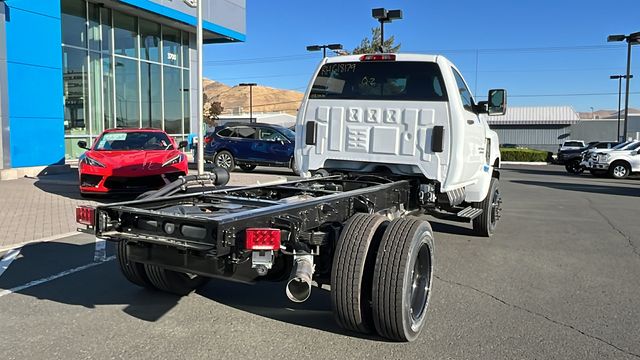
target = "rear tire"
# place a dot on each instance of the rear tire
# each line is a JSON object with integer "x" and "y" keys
{"x": 352, "y": 270}
{"x": 132, "y": 271}
{"x": 485, "y": 223}
{"x": 172, "y": 281}
{"x": 247, "y": 168}
{"x": 402, "y": 279}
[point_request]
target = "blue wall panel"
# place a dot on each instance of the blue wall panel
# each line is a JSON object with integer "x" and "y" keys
{"x": 34, "y": 77}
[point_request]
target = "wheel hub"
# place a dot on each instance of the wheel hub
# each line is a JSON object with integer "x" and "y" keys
{"x": 420, "y": 283}
{"x": 619, "y": 171}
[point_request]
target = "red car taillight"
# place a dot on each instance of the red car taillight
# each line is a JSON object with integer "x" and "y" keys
{"x": 85, "y": 215}
{"x": 208, "y": 139}
{"x": 262, "y": 239}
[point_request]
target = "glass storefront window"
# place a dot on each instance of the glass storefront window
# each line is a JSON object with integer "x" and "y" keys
{"x": 127, "y": 99}
{"x": 125, "y": 34}
{"x": 171, "y": 46}
{"x": 149, "y": 40}
{"x": 107, "y": 92}
{"x": 74, "y": 31}
{"x": 186, "y": 95}
{"x": 75, "y": 90}
{"x": 95, "y": 36}
{"x": 172, "y": 100}
{"x": 185, "y": 49}
{"x": 105, "y": 17}
{"x": 71, "y": 149}
{"x": 151, "y": 95}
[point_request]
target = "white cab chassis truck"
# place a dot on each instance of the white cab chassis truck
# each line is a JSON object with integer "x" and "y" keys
{"x": 405, "y": 115}
{"x": 380, "y": 138}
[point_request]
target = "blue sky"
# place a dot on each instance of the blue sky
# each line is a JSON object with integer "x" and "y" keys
{"x": 541, "y": 51}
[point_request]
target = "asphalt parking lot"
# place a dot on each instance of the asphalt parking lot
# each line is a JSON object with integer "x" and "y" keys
{"x": 560, "y": 279}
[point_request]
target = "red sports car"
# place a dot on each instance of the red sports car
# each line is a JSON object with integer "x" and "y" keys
{"x": 130, "y": 160}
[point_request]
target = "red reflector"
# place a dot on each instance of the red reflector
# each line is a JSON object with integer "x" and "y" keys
{"x": 208, "y": 140}
{"x": 378, "y": 57}
{"x": 85, "y": 215}
{"x": 263, "y": 239}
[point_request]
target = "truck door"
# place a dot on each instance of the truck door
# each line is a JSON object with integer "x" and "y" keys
{"x": 474, "y": 133}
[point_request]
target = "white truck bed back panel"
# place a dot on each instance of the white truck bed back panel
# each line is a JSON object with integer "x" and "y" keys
{"x": 380, "y": 132}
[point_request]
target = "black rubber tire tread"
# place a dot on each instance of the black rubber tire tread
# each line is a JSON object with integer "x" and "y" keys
{"x": 482, "y": 223}
{"x": 388, "y": 278}
{"x": 353, "y": 262}
{"x": 619, "y": 162}
{"x": 247, "y": 168}
{"x": 172, "y": 281}
{"x": 132, "y": 271}
{"x": 571, "y": 167}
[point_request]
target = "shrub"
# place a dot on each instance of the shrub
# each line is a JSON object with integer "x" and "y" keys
{"x": 527, "y": 155}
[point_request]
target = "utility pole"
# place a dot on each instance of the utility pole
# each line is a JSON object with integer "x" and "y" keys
{"x": 250, "y": 85}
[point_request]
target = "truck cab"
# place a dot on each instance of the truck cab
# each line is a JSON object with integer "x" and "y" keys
{"x": 406, "y": 114}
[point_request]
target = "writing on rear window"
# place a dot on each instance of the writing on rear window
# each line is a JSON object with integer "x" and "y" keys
{"x": 385, "y": 80}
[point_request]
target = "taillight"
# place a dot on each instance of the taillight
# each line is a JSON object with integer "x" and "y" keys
{"x": 262, "y": 239}
{"x": 378, "y": 57}
{"x": 85, "y": 215}
{"x": 208, "y": 139}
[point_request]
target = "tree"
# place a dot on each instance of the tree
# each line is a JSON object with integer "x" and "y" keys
{"x": 211, "y": 110}
{"x": 368, "y": 46}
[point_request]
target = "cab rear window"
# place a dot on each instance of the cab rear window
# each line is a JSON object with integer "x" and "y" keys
{"x": 384, "y": 80}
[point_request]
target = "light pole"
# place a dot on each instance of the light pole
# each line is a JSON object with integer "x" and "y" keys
{"x": 324, "y": 48}
{"x": 619, "y": 78}
{"x": 592, "y": 117}
{"x": 631, "y": 39}
{"x": 385, "y": 16}
{"x": 197, "y": 4}
{"x": 250, "y": 85}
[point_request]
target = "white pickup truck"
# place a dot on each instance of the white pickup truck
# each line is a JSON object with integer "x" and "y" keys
{"x": 410, "y": 115}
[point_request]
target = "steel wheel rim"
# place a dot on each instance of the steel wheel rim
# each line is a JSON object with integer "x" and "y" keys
{"x": 420, "y": 283}
{"x": 619, "y": 171}
{"x": 224, "y": 160}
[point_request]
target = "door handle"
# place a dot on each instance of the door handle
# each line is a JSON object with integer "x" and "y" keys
{"x": 470, "y": 122}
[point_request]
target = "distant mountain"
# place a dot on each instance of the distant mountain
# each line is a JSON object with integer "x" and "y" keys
{"x": 606, "y": 114}
{"x": 235, "y": 99}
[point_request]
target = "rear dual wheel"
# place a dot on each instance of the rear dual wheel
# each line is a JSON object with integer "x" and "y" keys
{"x": 155, "y": 277}
{"x": 381, "y": 276}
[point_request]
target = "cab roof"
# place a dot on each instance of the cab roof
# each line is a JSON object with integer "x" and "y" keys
{"x": 399, "y": 57}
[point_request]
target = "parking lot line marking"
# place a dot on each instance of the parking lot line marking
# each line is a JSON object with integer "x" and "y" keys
{"x": 53, "y": 277}
{"x": 46, "y": 239}
{"x": 6, "y": 260}
{"x": 101, "y": 250}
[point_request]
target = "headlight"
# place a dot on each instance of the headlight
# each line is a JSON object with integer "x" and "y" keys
{"x": 174, "y": 160}
{"x": 92, "y": 162}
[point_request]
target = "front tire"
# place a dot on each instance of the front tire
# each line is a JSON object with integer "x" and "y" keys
{"x": 402, "y": 279}
{"x": 351, "y": 273}
{"x": 485, "y": 223}
{"x": 224, "y": 159}
{"x": 573, "y": 167}
{"x": 619, "y": 170}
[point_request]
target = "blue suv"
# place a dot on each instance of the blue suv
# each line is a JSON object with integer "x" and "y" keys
{"x": 250, "y": 145}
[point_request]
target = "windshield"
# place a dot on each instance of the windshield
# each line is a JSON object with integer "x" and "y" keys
{"x": 134, "y": 140}
{"x": 621, "y": 145}
{"x": 573, "y": 143}
{"x": 380, "y": 80}
{"x": 634, "y": 146}
{"x": 288, "y": 133}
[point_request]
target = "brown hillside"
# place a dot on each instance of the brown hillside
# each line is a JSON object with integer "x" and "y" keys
{"x": 265, "y": 99}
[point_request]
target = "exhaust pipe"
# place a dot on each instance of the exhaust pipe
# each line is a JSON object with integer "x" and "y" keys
{"x": 299, "y": 286}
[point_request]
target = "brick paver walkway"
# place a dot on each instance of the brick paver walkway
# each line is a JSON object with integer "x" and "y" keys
{"x": 32, "y": 209}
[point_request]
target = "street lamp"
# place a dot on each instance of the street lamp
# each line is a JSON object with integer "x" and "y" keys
{"x": 385, "y": 16}
{"x": 200, "y": 151}
{"x": 324, "y": 48}
{"x": 250, "y": 85}
{"x": 631, "y": 39}
{"x": 619, "y": 78}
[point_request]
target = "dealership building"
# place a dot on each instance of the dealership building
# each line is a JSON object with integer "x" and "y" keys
{"x": 71, "y": 68}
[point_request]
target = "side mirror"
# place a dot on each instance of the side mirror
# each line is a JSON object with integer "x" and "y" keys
{"x": 83, "y": 145}
{"x": 183, "y": 144}
{"x": 497, "y": 104}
